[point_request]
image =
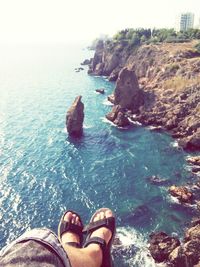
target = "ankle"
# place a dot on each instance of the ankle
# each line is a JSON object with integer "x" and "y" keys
{"x": 94, "y": 250}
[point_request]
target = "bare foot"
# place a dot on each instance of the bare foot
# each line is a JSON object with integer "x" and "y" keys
{"x": 69, "y": 236}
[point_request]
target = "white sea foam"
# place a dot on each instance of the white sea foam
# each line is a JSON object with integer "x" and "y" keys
{"x": 87, "y": 126}
{"x": 134, "y": 122}
{"x": 174, "y": 144}
{"x": 107, "y": 103}
{"x": 110, "y": 122}
{"x": 176, "y": 201}
{"x": 142, "y": 257}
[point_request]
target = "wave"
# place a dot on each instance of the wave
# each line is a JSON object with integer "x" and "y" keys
{"x": 87, "y": 126}
{"x": 107, "y": 103}
{"x": 174, "y": 144}
{"x": 140, "y": 255}
{"x": 110, "y": 122}
{"x": 135, "y": 122}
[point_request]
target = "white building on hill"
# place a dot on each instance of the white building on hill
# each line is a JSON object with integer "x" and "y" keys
{"x": 185, "y": 21}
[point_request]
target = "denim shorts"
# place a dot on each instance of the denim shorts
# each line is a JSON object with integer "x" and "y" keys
{"x": 37, "y": 247}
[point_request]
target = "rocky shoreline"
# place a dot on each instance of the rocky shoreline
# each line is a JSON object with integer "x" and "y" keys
{"x": 157, "y": 85}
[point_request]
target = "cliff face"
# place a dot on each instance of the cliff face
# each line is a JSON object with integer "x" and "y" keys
{"x": 169, "y": 75}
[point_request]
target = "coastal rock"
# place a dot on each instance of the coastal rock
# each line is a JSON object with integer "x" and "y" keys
{"x": 75, "y": 117}
{"x": 161, "y": 245}
{"x": 101, "y": 91}
{"x": 121, "y": 120}
{"x": 113, "y": 114}
{"x": 86, "y": 62}
{"x": 196, "y": 169}
{"x": 127, "y": 93}
{"x": 79, "y": 69}
{"x": 118, "y": 116}
{"x": 114, "y": 75}
{"x": 111, "y": 98}
{"x": 96, "y": 66}
{"x": 191, "y": 142}
{"x": 194, "y": 160}
{"x": 181, "y": 193}
{"x": 174, "y": 253}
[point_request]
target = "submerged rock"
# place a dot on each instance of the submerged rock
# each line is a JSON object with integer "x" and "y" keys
{"x": 156, "y": 180}
{"x": 75, "y": 117}
{"x": 181, "y": 193}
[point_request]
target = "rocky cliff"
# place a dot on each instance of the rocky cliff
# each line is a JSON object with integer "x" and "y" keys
{"x": 169, "y": 76}
{"x": 174, "y": 253}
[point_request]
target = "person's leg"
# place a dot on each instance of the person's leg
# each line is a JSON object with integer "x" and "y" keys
{"x": 92, "y": 254}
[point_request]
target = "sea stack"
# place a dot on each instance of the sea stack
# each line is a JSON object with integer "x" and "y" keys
{"x": 75, "y": 117}
{"x": 127, "y": 93}
{"x": 127, "y": 96}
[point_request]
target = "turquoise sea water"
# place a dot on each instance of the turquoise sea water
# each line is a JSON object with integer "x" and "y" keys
{"x": 43, "y": 171}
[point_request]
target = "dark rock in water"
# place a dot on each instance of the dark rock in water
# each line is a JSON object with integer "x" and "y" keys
{"x": 101, "y": 91}
{"x": 194, "y": 160}
{"x": 196, "y": 169}
{"x": 188, "y": 254}
{"x": 79, "y": 69}
{"x": 161, "y": 245}
{"x": 121, "y": 120}
{"x": 113, "y": 114}
{"x": 127, "y": 93}
{"x": 181, "y": 193}
{"x": 156, "y": 180}
{"x": 86, "y": 62}
{"x": 75, "y": 117}
{"x": 191, "y": 142}
{"x": 169, "y": 249}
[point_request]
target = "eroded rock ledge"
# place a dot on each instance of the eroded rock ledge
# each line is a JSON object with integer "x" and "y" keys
{"x": 169, "y": 77}
{"x": 174, "y": 253}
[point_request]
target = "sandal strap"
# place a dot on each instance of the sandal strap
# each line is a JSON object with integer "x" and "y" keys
{"x": 107, "y": 222}
{"x": 69, "y": 227}
{"x": 96, "y": 240}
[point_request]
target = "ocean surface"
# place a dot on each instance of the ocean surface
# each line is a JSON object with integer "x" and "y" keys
{"x": 43, "y": 172}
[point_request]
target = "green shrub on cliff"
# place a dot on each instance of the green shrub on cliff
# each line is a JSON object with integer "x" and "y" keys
{"x": 135, "y": 37}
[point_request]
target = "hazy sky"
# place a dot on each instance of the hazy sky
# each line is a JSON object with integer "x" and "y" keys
{"x": 73, "y": 20}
